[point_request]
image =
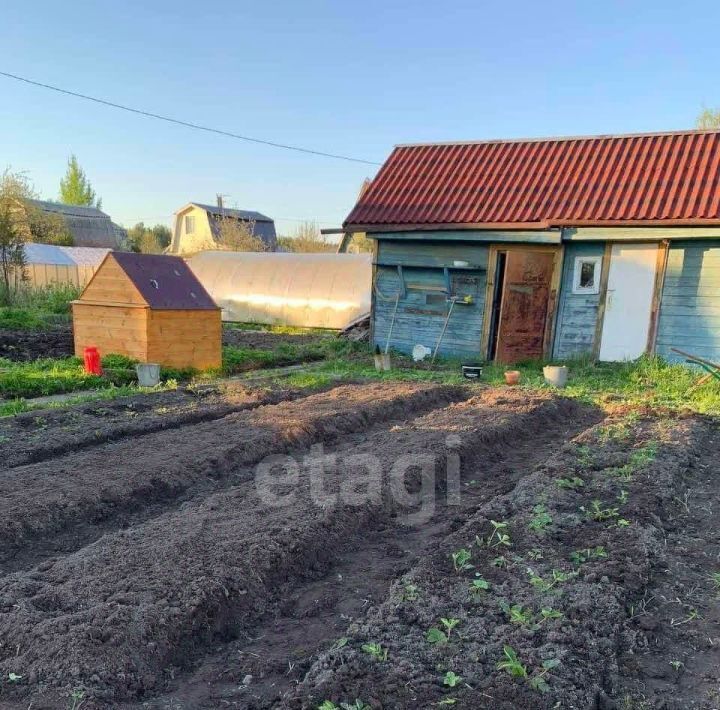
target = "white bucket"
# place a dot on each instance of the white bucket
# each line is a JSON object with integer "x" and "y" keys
{"x": 148, "y": 374}
{"x": 556, "y": 375}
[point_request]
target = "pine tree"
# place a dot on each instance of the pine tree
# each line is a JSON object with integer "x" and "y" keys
{"x": 75, "y": 188}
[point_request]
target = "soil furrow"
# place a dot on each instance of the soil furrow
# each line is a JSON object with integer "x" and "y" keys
{"x": 256, "y": 670}
{"x": 69, "y": 501}
{"x": 584, "y": 532}
{"x": 119, "y": 617}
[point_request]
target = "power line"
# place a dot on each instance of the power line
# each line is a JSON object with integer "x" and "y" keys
{"x": 187, "y": 124}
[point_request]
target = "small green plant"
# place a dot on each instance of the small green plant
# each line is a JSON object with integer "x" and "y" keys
{"x": 14, "y": 677}
{"x": 436, "y": 637}
{"x": 447, "y": 701}
{"x": 571, "y": 484}
{"x": 511, "y": 664}
{"x": 357, "y": 705}
{"x": 340, "y": 643}
{"x": 499, "y": 535}
{"x": 622, "y": 523}
{"x": 411, "y": 593}
{"x": 623, "y": 497}
{"x": 585, "y": 456}
{"x": 451, "y": 679}
{"x": 535, "y": 554}
{"x": 538, "y": 681}
{"x": 461, "y": 560}
{"x": 715, "y": 579}
{"x": 596, "y": 511}
{"x": 579, "y": 557}
{"x": 517, "y": 614}
{"x": 549, "y": 614}
{"x": 541, "y": 519}
{"x": 77, "y": 696}
{"x": 677, "y": 665}
{"x": 556, "y": 577}
{"x": 478, "y": 586}
{"x": 501, "y": 561}
{"x": 449, "y": 625}
{"x": 376, "y": 651}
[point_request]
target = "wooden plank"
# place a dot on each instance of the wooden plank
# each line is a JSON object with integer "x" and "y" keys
{"x": 660, "y": 267}
{"x": 604, "y": 277}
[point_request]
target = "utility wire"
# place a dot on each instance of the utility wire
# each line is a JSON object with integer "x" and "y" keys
{"x": 187, "y": 124}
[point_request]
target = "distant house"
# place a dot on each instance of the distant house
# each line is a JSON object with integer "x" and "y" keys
{"x": 89, "y": 226}
{"x": 196, "y": 227}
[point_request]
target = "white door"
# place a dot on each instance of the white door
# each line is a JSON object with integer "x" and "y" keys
{"x": 631, "y": 283}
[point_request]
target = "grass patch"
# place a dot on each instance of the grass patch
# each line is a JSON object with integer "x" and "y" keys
{"x": 37, "y": 308}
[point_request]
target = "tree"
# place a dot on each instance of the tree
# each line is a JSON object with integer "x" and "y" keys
{"x": 149, "y": 240}
{"x": 307, "y": 239}
{"x": 238, "y": 235}
{"x": 12, "y": 237}
{"x": 709, "y": 119}
{"x": 75, "y": 188}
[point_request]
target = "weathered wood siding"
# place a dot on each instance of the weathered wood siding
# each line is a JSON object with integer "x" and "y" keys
{"x": 577, "y": 313}
{"x": 423, "y": 308}
{"x": 121, "y": 330}
{"x": 185, "y": 339}
{"x": 690, "y": 305}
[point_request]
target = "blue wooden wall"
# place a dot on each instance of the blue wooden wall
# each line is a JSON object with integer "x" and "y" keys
{"x": 690, "y": 305}
{"x": 422, "y": 310}
{"x": 577, "y": 313}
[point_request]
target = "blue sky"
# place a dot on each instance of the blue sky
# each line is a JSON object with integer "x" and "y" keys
{"x": 350, "y": 78}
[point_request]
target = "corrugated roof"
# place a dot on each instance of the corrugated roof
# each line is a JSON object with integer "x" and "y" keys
{"x": 77, "y": 210}
{"x": 597, "y": 180}
{"x": 165, "y": 282}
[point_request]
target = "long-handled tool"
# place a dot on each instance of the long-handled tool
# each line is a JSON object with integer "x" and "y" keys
{"x": 442, "y": 332}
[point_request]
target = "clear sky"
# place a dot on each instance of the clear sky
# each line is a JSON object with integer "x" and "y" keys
{"x": 343, "y": 77}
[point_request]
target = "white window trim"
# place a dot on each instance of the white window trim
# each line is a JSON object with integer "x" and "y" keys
{"x": 189, "y": 221}
{"x": 579, "y": 261}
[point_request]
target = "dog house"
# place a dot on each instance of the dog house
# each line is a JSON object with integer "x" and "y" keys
{"x": 151, "y": 308}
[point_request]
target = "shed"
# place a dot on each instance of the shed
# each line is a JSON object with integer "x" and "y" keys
{"x": 151, "y": 308}
{"x": 607, "y": 246}
{"x": 307, "y": 290}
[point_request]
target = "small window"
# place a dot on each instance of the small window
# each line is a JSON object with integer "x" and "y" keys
{"x": 586, "y": 278}
{"x": 189, "y": 224}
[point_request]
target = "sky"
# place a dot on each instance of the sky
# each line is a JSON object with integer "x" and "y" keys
{"x": 339, "y": 77}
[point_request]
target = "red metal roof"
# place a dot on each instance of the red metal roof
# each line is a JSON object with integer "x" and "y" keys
{"x": 659, "y": 178}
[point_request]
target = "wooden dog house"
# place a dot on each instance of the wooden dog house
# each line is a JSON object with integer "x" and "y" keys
{"x": 151, "y": 308}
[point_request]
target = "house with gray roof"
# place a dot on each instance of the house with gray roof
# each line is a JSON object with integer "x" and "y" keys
{"x": 89, "y": 226}
{"x": 197, "y": 227}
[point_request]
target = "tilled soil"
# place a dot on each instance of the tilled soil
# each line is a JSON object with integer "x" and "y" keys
{"x": 561, "y": 589}
{"x": 118, "y": 616}
{"x": 247, "y": 559}
{"x": 26, "y": 345}
{"x": 60, "y": 504}
{"x": 57, "y": 341}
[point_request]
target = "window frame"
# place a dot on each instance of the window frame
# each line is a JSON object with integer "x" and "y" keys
{"x": 577, "y": 275}
{"x": 190, "y": 222}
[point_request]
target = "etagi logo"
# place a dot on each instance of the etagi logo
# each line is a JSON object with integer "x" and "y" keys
{"x": 407, "y": 483}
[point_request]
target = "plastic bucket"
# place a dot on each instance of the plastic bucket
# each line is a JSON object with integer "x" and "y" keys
{"x": 472, "y": 371}
{"x": 556, "y": 375}
{"x": 148, "y": 374}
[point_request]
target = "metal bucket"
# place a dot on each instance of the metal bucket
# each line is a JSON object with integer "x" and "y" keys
{"x": 148, "y": 374}
{"x": 555, "y": 375}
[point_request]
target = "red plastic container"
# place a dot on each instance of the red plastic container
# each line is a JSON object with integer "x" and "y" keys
{"x": 91, "y": 357}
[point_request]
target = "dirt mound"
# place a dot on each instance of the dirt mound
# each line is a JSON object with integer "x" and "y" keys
{"x": 536, "y": 618}
{"x": 266, "y": 340}
{"x": 59, "y": 504}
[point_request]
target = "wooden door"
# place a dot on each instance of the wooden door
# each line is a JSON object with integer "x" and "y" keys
{"x": 525, "y": 305}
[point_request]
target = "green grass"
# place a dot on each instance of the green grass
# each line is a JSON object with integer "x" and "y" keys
{"x": 647, "y": 381}
{"x": 45, "y": 377}
{"x": 36, "y": 308}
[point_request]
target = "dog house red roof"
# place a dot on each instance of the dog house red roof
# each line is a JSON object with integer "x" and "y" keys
{"x": 643, "y": 179}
